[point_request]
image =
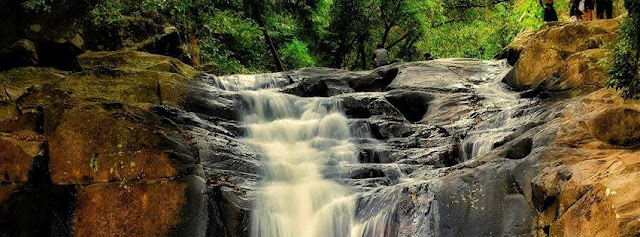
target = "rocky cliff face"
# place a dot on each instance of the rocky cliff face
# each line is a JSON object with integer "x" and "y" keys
{"x": 138, "y": 144}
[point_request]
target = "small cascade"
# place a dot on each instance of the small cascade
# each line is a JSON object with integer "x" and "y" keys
{"x": 300, "y": 138}
{"x": 504, "y": 108}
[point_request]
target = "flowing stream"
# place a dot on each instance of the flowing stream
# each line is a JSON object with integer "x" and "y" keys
{"x": 304, "y": 139}
{"x": 506, "y": 106}
{"x": 299, "y": 137}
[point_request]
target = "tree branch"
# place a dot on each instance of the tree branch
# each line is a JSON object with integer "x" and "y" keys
{"x": 398, "y": 41}
{"x": 439, "y": 24}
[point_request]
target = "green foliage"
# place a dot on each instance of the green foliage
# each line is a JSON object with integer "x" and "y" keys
{"x": 37, "y": 5}
{"x": 295, "y": 54}
{"x": 624, "y": 73}
{"x": 109, "y": 12}
{"x": 333, "y": 33}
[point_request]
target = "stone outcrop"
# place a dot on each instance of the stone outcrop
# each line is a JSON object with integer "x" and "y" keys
{"x": 19, "y": 54}
{"x": 561, "y": 59}
{"x": 584, "y": 177}
{"x": 132, "y": 170}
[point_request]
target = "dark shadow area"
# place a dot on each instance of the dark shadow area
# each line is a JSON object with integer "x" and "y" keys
{"x": 38, "y": 208}
{"x": 412, "y": 104}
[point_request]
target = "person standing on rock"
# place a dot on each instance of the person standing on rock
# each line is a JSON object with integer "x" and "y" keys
{"x": 381, "y": 56}
{"x": 604, "y": 7}
{"x": 589, "y": 6}
{"x": 575, "y": 10}
{"x": 549, "y": 12}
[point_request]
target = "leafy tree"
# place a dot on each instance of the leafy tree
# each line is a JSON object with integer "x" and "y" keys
{"x": 271, "y": 35}
{"x": 350, "y": 25}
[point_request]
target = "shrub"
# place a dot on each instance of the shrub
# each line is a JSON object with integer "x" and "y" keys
{"x": 624, "y": 73}
{"x": 296, "y": 55}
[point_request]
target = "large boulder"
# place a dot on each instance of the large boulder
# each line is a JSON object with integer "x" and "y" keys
{"x": 19, "y": 150}
{"x": 617, "y": 125}
{"x": 131, "y": 77}
{"x": 514, "y": 49}
{"x": 562, "y": 58}
{"x": 169, "y": 44}
{"x": 580, "y": 177}
{"x": 120, "y": 143}
{"x": 21, "y": 53}
{"x": 87, "y": 155}
{"x": 443, "y": 75}
{"x": 467, "y": 197}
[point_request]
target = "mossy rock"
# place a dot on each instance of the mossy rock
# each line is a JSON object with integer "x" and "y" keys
{"x": 134, "y": 60}
{"x": 16, "y": 80}
{"x": 97, "y": 141}
{"x": 130, "y": 77}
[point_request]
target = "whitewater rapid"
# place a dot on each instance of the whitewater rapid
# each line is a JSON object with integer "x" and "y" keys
{"x": 299, "y": 138}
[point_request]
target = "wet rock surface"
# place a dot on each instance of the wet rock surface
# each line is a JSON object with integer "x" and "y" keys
{"x": 436, "y": 181}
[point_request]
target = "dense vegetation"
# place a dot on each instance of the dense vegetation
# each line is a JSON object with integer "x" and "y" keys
{"x": 625, "y": 69}
{"x": 270, "y": 35}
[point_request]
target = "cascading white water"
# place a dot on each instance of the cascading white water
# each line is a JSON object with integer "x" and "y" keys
{"x": 299, "y": 137}
{"x": 497, "y": 97}
{"x": 302, "y": 139}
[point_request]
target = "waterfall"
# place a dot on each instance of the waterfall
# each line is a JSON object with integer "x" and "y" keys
{"x": 312, "y": 183}
{"x": 299, "y": 139}
{"x": 503, "y": 106}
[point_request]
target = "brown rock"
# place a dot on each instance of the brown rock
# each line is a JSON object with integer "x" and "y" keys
{"x": 14, "y": 120}
{"x": 21, "y": 53}
{"x": 16, "y": 81}
{"x": 134, "y": 60}
{"x": 17, "y": 156}
{"x": 514, "y": 49}
{"x": 563, "y": 58}
{"x": 592, "y": 215}
{"x": 583, "y": 71}
{"x": 536, "y": 64}
{"x": 5, "y": 192}
{"x": 155, "y": 208}
{"x": 169, "y": 44}
{"x": 587, "y": 183}
{"x": 106, "y": 142}
{"x": 617, "y": 126}
{"x": 130, "y": 77}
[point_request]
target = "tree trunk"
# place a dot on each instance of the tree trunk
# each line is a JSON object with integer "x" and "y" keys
{"x": 270, "y": 44}
{"x": 387, "y": 29}
{"x": 363, "y": 52}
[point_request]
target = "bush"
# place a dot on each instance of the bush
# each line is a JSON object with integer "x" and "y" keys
{"x": 37, "y": 5}
{"x": 296, "y": 55}
{"x": 624, "y": 74}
